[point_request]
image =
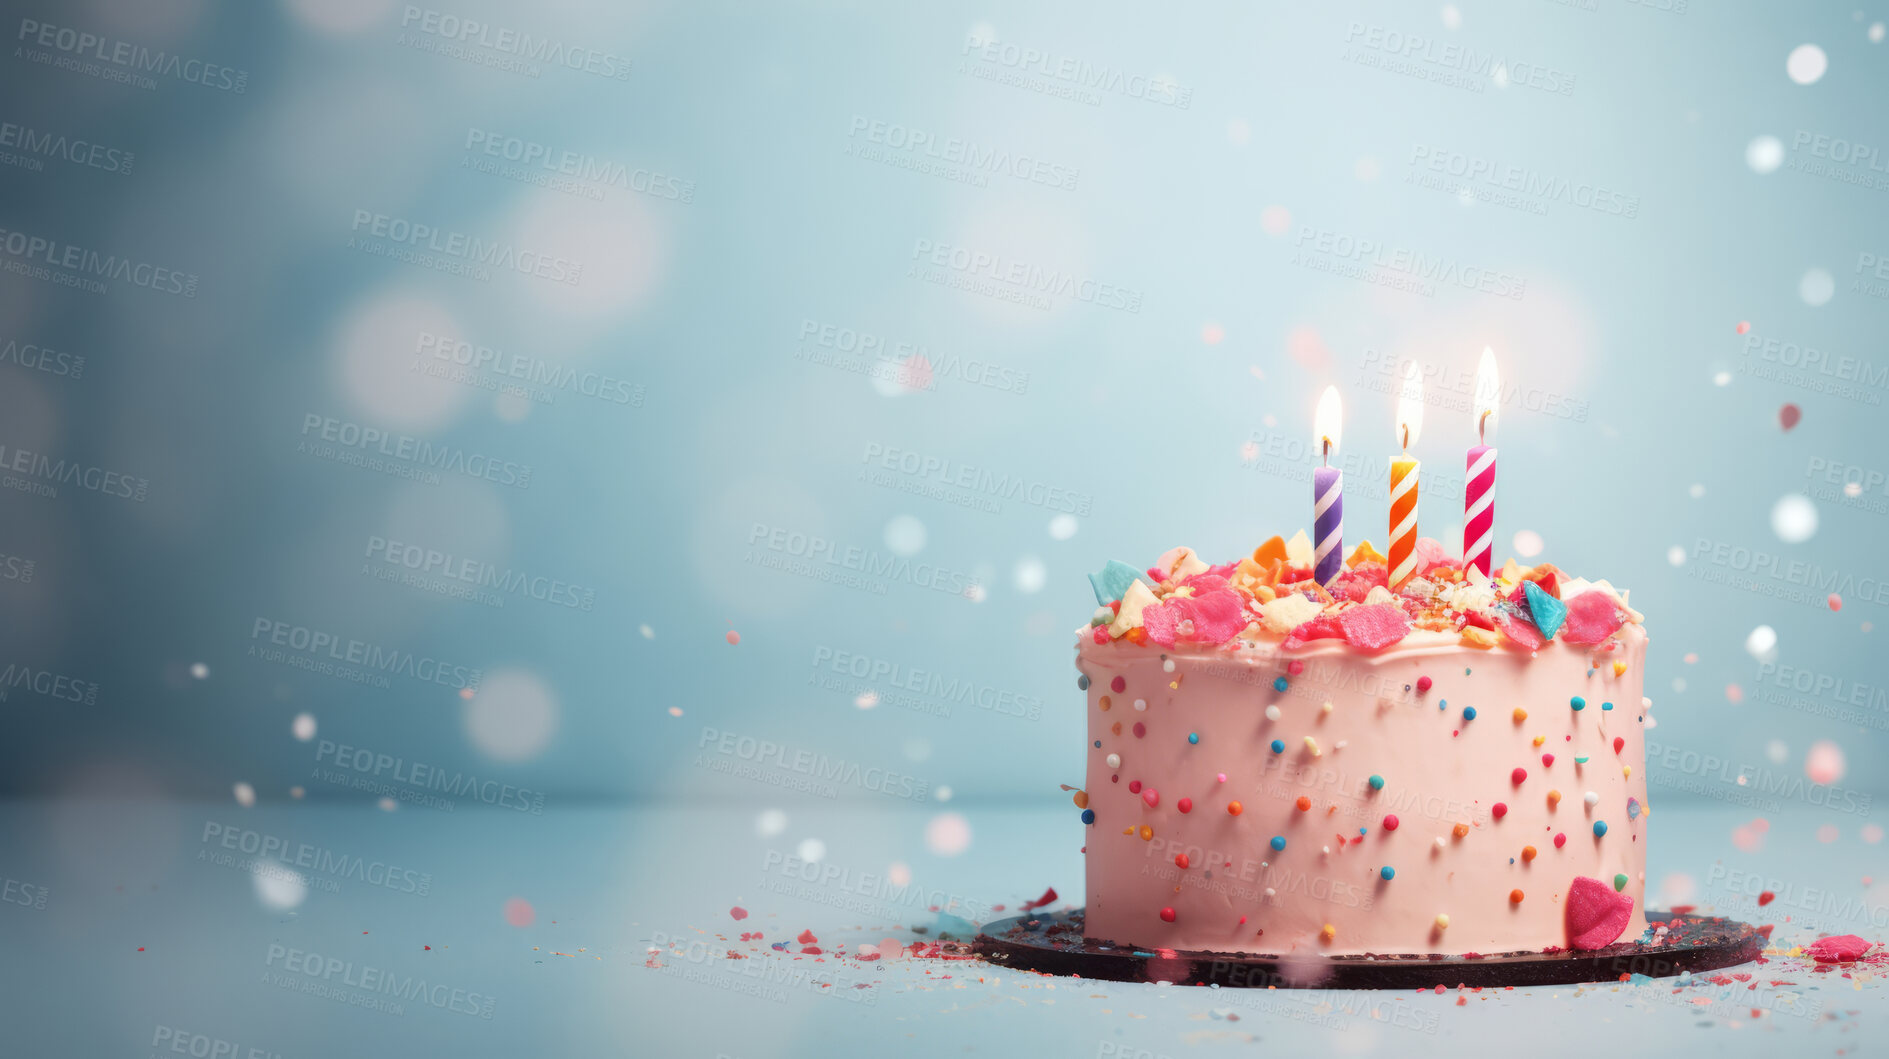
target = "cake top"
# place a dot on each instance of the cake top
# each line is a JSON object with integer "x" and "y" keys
{"x": 1272, "y": 596}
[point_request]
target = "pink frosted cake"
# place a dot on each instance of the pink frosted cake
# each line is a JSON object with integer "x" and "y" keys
{"x": 1280, "y": 767}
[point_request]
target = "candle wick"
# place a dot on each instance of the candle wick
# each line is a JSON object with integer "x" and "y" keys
{"x": 1481, "y": 422}
{"x": 1406, "y": 442}
{"x": 1326, "y": 455}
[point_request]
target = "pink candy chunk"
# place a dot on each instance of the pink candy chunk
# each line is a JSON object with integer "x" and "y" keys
{"x": 1592, "y": 617}
{"x": 1323, "y": 627}
{"x": 1374, "y": 627}
{"x": 1519, "y": 629}
{"x": 1212, "y": 615}
{"x": 1596, "y": 916}
{"x": 1843, "y": 948}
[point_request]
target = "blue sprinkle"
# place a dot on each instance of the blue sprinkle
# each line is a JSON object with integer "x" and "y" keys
{"x": 1600, "y": 828}
{"x": 1578, "y": 703}
{"x": 1440, "y": 703}
{"x": 1098, "y": 744}
{"x": 1278, "y": 746}
{"x": 1469, "y": 713}
{"x": 1193, "y": 737}
{"x": 1082, "y": 682}
{"x": 1377, "y": 783}
{"x": 1465, "y": 670}
{"x": 1606, "y": 705}
{"x": 1278, "y": 842}
{"x": 1088, "y": 816}
{"x": 1278, "y": 683}
{"x": 1387, "y": 872}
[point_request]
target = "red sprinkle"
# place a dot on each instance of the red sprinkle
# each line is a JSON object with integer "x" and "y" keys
{"x": 1546, "y": 760}
{"x": 738, "y": 912}
{"x": 1390, "y": 822}
{"x": 1518, "y": 776}
{"x": 1152, "y": 797}
{"x": 1141, "y": 730}
{"x": 1766, "y": 898}
{"x": 1498, "y": 810}
{"x": 1423, "y": 684}
{"x": 1185, "y": 805}
{"x": 1118, "y": 685}
{"x": 1180, "y": 860}
{"x": 1134, "y": 786}
{"x": 1560, "y": 840}
{"x": 1295, "y": 667}
{"x": 1167, "y": 915}
{"x": 1618, "y": 743}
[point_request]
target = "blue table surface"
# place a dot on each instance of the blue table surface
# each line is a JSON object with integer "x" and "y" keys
{"x": 143, "y": 928}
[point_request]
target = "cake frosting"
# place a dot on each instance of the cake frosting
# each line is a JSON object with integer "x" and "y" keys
{"x": 1282, "y": 767}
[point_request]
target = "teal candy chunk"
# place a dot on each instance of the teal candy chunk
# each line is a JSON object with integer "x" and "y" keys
{"x": 1547, "y": 611}
{"x": 1112, "y": 582}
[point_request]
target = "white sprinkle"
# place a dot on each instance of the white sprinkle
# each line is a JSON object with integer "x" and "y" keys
{"x": 1114, "y": 761}
{"x": 1141, "y": 704}
{"x": 1439, "y": 842}
{"x": 1272, "y": 713}
{"x": 1167, "y": 666}
{"x": 1592, "y": 799}
{"x": 1326, "y": 708}
{"x": 1270, "y": 891}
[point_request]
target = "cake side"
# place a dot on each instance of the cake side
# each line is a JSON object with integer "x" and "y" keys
{"x": 1169, "y": 864}
{"x": 1284, "y": 790}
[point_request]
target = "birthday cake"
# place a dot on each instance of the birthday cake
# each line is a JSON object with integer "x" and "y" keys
{"x": 1282, "y": 766}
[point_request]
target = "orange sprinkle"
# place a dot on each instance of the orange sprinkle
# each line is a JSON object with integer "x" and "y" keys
{"x": 1105, "y": 702}
{"x": 1520, "y": 714}
{"x": 1528, "y": 854}
{"x": 1147, "y": 833}
{"x": 1235, "y": 808}
{"x": 1515, "y": 897}
{"x": 1082, "y": 799}
{"x": 1329, "y": 932}
{"x": 1304, "y": 803}
{"x": 1460, "y": 830}
{"x": 1554, "y": 797}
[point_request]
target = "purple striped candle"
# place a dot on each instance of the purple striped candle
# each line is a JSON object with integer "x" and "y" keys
{"x": 1328, "y": 523}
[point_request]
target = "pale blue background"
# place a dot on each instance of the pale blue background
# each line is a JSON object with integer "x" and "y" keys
{"x": 700, "y": 307}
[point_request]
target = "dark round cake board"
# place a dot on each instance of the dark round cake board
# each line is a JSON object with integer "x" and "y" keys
{"x": 1052, "y": 943}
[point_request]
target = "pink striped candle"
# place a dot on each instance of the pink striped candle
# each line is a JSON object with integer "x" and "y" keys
{"x": 1479, "y": 482}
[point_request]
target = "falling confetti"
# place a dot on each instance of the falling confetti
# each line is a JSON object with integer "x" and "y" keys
{"x": 1528, "y": 544}
{"x": 1212, "y": 334}
{"x": 303, "y": 727}
{"x": 199, "y": 670}
{"x": 811, "y": 850}
{"x": 948, "y": 834}
{"x": 1761, "y": 644}
{"x": 1745, "y": 325}
{"x": 1789, "y": 415}
{"x": 867, "y": 699}
{"x": 519, "y": 913}
{"x": 1806, "y": 64}
{"x": 1794, "y": 518}
{"x": 245, "y": 794}
{"x": 648, "y": 633}
{"x": 1824, "y": 764}
{"x": 734, "y": 637}
{"x": 1835, "y": 601}
{"x": 770, "y": 822}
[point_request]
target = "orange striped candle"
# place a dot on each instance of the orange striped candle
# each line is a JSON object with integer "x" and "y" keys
{"x": 1403, "y": 521}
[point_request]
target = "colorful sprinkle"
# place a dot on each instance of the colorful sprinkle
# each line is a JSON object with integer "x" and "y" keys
{"x": 1547, "y": 760}
{"x": 1273, "y": 714}
{"x": 1304, "y": 803}
{"x": 1167, "y": 915}
{"x": 1193, "y": 737}
{"x": 1279, "y": 684}
{"x": 1295, "y": 667}
{"x": 1600, "y": 828}
{"x": 1390, "y": 822}
{"x": 1633, "y": 808}
{"x": 1088, "y": 816}
{"x": 1185, "y": 805}
{"x": 1463, "y": 829}
{"x": 1278, "y": 746}
{"x": 1114, "y": 761}
{"x": 1152, "y": 797}
{"x": 1520, "y": 715}
{"x": 1442, "y": 921}
{"x": 1118, "y": 685}
{"x": 1328, "y": 932}
{"x": 1578, "y": 703}
{"x": 1618, "y": 743}
{"x": 1423, "y": 684}
{"x": 1311, "y": 747}
{"x": 1140, "y": 730}
{"x": 1278, "y": 841}
{"x": 1498, "y": 810}
{"x": 1517, "y": 775}
{"x": 1515, "y": 897}
{"x": 1147, "y": 833}
{"x": 1082, "y": 799}
{"x": 1104, "y": 703}
{"x": 1528, "y": 854}
{"x": 1606, "y": 705}
{"x": 1560, "y": 839}
{"x": 1180, "y": 860}
{"x": 1469, "y": 713}
{"x": 1377, "y": 783}
{"x": 1592, "y": 798}
{"x": 1387, "y": 873}
{"x": 1580, "y": 759}
{"x": 1554, "y": 797}
{"x": 1235, "y": 808}
{"x": 1620, "y": 883}
{"x": 1141, "y": 704}
{"x": 1082, "y": 682}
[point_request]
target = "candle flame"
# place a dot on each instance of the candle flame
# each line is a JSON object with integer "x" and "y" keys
{"x": 1410, "y": 406}
{"x": 1488, "y": 396}
{"x": 1328, "y": 423}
